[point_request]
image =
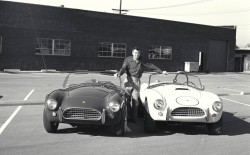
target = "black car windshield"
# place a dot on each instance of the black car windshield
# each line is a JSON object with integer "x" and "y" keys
{"x": 88, "y": 79}
{"x": 175, "y": 78}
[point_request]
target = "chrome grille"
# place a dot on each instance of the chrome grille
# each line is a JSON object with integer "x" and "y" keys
{"x": 188, "y": 111}
{"x": 82, "y": 114}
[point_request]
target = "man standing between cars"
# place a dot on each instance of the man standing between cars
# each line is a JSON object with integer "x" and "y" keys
{"x": 134, "y": 66}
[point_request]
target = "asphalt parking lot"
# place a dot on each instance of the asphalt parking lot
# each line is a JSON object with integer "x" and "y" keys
{"x": 22, "y": 132}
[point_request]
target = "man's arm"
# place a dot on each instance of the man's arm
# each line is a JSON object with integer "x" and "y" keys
{"x": 123, "y": 68}
{"x": 151, "y": 66}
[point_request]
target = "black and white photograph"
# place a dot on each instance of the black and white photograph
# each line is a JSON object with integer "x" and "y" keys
{"x": 124, "y": 77}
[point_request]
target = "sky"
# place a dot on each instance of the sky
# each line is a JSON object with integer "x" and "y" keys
{"x": 205, "y": 12}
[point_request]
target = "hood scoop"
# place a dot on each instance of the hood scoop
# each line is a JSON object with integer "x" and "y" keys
{"x": 187, "y": 101}
{"x": 181, "y": 89}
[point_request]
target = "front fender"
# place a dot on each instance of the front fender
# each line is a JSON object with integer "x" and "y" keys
{"x": 50, "y": 117}
{"x": 208, "y": 99}
{"x": 57, "y": 95}
{"x": 150, "y": 96}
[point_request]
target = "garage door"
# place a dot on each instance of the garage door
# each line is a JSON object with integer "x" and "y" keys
{"x": 217, "y": 56}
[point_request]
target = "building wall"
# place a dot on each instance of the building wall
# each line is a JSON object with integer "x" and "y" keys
{"x": 247, "y": 63}
{"x": 20, "y": 28}
{"x": 242, "y": 60}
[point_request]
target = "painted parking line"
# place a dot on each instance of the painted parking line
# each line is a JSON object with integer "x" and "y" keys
{"x": 29, "y": 94}
{"x": 14, "y": 114}
{"x": 232, "y": 90}
{"x": 236, "y": 102}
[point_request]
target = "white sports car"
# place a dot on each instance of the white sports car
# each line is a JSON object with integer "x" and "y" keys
{"x": 180, "y": 97}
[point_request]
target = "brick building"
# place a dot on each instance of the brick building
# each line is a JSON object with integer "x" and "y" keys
{"x": 35, "y": 37}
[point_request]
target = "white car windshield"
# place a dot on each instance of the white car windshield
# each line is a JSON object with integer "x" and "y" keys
{"x": 175, "y": 78}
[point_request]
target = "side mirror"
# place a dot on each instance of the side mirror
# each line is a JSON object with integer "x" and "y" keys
{"x": 203, "y": 87}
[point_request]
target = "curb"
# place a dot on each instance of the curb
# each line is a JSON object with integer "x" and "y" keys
{"x": 16, "y": 71}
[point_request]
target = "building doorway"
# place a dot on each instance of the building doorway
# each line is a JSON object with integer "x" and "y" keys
{"x": 217, "y": 56}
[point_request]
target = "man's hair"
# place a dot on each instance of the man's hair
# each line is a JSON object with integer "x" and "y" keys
{"x": 136, "y": 48}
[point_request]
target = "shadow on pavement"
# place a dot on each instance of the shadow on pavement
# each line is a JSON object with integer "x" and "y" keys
{"x": 235, "y": 125}
{"x": 232, "y": 126}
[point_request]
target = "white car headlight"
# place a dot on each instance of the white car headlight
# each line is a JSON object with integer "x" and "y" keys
{"x": 114, "y": 106}
{"x": 159, "y": 104}
{"x": 217, "y": 106}
{"x": 52, "y": 104}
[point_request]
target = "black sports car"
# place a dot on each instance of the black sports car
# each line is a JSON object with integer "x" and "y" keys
{"x": 91, "y": 102}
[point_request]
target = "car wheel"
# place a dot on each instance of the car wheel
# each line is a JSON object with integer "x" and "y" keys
{"x": 215, "y": 128}
{"x": 121, "y": 128}
{"x": 50, "y": 127}
{"x": 140, "y": 109}
{"x": 149, "y": 123}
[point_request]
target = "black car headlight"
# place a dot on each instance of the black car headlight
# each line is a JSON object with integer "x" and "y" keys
{"x": 217, "y": 106}
{"x": 52, "y": 104}
{"x": 114, "y": 106}
{"x": 159, "y": 104}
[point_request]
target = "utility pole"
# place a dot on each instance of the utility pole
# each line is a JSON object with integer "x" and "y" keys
{"x": 120, "y": 10}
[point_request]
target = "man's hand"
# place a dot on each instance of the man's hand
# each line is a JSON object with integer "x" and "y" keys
{"x": 117, "y": 75}
{"x": 165, "y": 73}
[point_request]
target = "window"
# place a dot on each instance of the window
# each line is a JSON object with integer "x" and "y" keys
{"x": 1, "y": 45}
{"x": 47, "y": 46}
{"x": 114, "y": 50}
{"x": 160, "y": 52}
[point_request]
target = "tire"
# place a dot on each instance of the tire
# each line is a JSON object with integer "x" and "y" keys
{"x": 121, "y": 128}
{"x": 215, "y": 128}
{"x": 140, "y": 109}
{"x": 50, "y": 127}
{"x": 149, "y": 123}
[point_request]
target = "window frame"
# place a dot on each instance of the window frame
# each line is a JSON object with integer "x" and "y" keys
{"x": 160, "y": 54}
{"x": 112, "y": 50}
{"x": 53, "y": 47}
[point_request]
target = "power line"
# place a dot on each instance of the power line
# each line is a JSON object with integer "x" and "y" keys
{"x": 163, "y": 7}
{"x": 36, "y": 35}
{"x": 172, "y": 6}
{"x": 199, "y": 14}
{"x": 244, "y": 25}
